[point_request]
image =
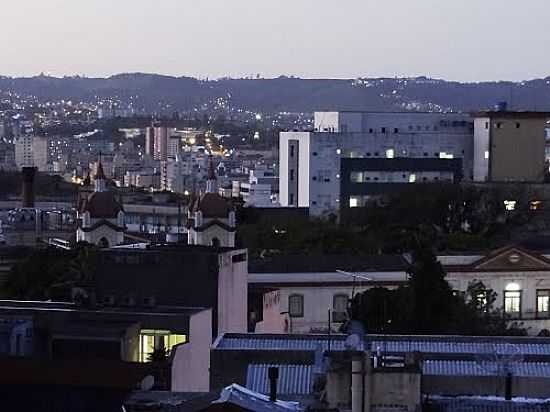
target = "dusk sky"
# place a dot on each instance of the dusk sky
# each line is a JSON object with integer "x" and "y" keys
{"x": 457, "y": 40}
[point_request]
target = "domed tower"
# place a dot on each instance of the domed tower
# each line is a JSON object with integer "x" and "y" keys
{"x": 211, "y": 220}
{"x": 100, "y": 215}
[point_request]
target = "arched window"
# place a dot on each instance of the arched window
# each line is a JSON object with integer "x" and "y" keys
{"x": 296, "y": 306}
{"x": 103, "y": 243}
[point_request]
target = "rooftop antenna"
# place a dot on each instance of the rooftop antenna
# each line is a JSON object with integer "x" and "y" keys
{"x": 501, "y": 360}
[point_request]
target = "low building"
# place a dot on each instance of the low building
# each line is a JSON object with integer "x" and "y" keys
{"x": 306, "y": 294}
{"x": 520, "y": 277}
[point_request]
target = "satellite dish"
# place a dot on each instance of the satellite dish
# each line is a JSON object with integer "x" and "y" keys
{"x": 147, "y": 383}
{"x": 352, "y": 342}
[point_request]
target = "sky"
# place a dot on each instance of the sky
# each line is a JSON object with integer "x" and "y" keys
{"x": 465, "y": 40}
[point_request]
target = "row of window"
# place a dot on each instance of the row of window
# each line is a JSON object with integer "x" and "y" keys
{"x": 391, "y": 153}
{"x": 296, "y": 305}
{"x": 512, "y": 303}
{"x": 500, "y": 124}
{"x": 363, "y": 177}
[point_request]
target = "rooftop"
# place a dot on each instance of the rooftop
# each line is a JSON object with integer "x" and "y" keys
{"x": 327, "y": 263}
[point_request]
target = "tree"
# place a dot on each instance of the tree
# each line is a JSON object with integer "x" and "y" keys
{"x": 428, "y": 305}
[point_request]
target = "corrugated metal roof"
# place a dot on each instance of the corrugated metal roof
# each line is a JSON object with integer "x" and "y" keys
{"x": 489, "y": 405}
{"x": 450, "y": 346}
{"x": 337, "y": 343}
{"x": 473, "y": 368}
{"x": 293, "y": 379}
{"x": 253, "y": 401}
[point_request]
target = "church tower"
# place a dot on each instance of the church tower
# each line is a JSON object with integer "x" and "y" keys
{"x": 100, "y": 215}
{"x": 211, "y": 219}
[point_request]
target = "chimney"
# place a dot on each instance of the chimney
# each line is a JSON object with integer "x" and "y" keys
{"x": 508, "y": 387}
{"x": 28, "y": 186}
{"x": 273, "y": 375}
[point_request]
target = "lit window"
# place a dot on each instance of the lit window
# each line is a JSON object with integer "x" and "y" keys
{"x": 412, "y": 178}
{"x": 156, "y": 340}
{"x": 390, "y": 153}
{"x": 510, "y": 205}
{"x": 543, "y": 302}
{"x": 486, "y": 154}
{"x": 353, "y": 202}
{"x": 512, "y": 303}
{"x": 535, "y": 205}
{"x": 338, "y": 151}
{"x": 443, "y": 155}
{"x": 296, "y": 306}
{"x": 357, "y": 177}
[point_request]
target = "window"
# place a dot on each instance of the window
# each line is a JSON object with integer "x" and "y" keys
{"x": 291, "y": 151}
{"x": 486, "y": 125}
{"x": 543, "y": 303}
{"x": 498, "y": 125}
{"x": 338, "y": 151}
{"x": 518, "y": 125}
{"x": 155, "y": 340}
{"x": 291, "y": 174}
{"x": 340, "y": 307}
{"x": 357, "y": 177}
{"x": 296, "y": 306}
{"x": 396, "y": 130}
{"x": 383, "y": 130}
{"x": 353, "y": 202}
{"x": 412, "y": 178}
{"x": 370, "y": 130}
{"x": 512, "y": 303}
{"x": 291, "y": 200}
{"x": 486, "y": 154}
{"x": 390, "y": 153}
{"x": 510, "y": 205}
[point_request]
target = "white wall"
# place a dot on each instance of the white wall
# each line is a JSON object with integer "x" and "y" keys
{"x": 302, "y": 173}
{"x": 481, "y": 146}
{"x": 232, "y": 294}
{"x": 191, "y": 362}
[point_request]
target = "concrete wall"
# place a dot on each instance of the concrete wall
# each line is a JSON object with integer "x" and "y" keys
{"x": 517, "y": 154}
{"x": 302, "y": 172}
{"x": 191, "y": 361}
{"x": 233, "y": 294}
{"x": 390, "y": 389}
{"x": 527, "y": 387}
{"x": 481, "y": 149}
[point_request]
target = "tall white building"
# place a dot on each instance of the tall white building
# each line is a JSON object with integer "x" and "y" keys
{"x": 23, "y": 151}
{"x": 310, "y": 163}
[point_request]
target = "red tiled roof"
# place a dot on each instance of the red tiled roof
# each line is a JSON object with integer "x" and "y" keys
{"x": 102, "y": 205}
{"x": 212, "y": 205}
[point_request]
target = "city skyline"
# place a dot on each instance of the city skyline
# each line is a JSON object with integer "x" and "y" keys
{"x": 465, "y": 41}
